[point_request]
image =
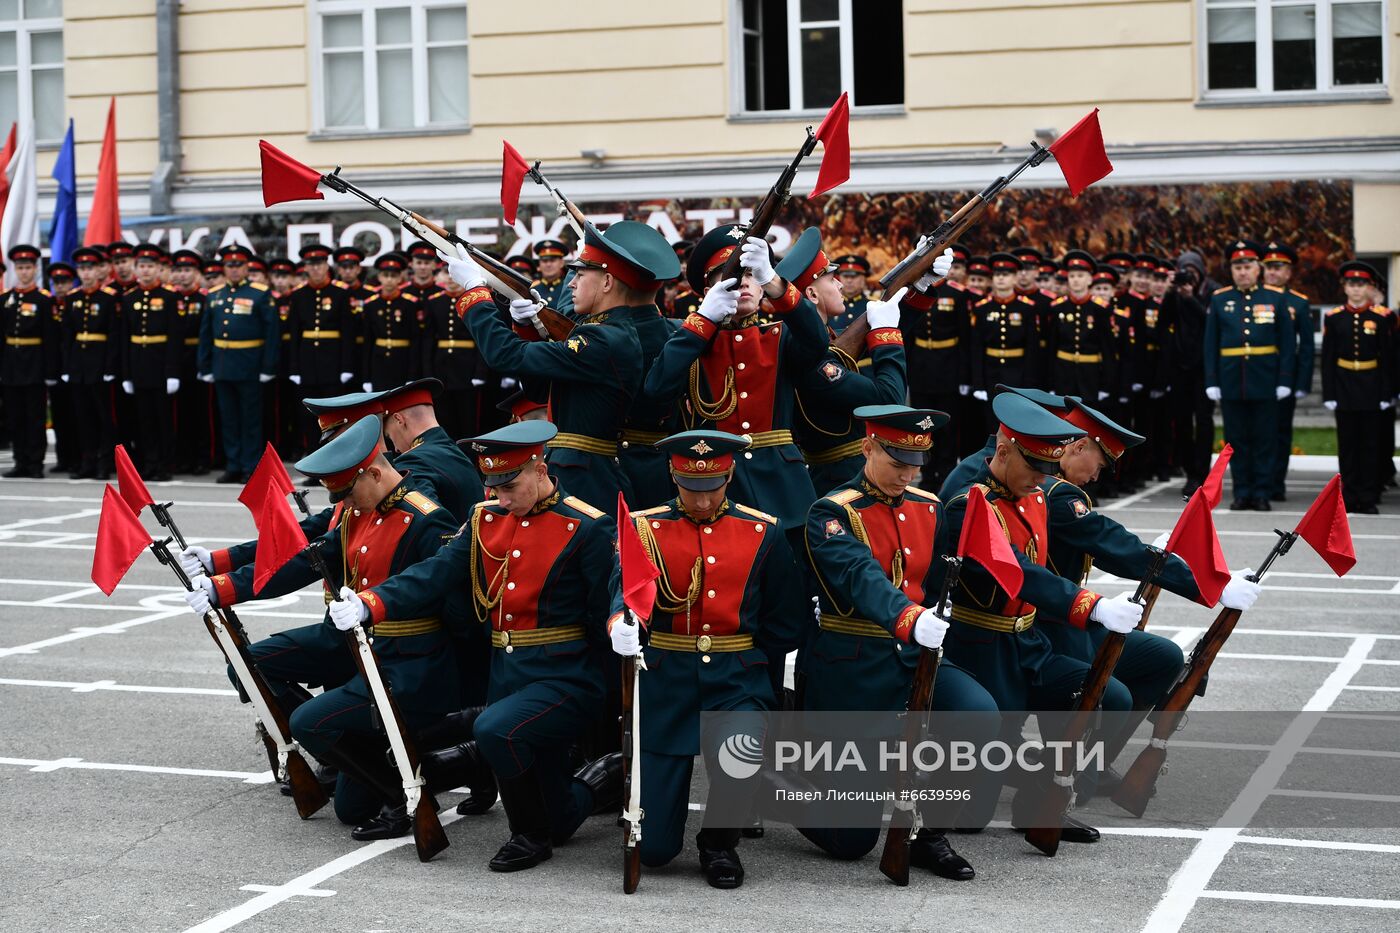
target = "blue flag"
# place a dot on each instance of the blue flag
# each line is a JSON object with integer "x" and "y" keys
{"x": 63, "y": 234}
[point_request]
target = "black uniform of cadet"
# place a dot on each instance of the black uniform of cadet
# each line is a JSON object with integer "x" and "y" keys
{"x": 29, "y": 358}
{"x": 321, "y": 353}
{"x": 551, "y": 290}
{"x": 450, "y": 355}
{"x": 62, "y": 282}
{"x": 1002, "y": 345}
{"x": 151, "y": 346}
{"x": 422, "y": 252}
{"x": 91, "y": 330}
{"x": 937, "y": 341}
{"x": 1359, "y": 385}
{"x": 848, "y": 267}
{"x": 193, "y": 402}
{"x": 392, "y": 333}
{"x": 1080, "y": 338}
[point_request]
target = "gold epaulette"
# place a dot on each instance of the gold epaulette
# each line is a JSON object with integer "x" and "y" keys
{"x": 582, "y": 506}
{"x": 1275, "y": 288}
{"x": 217, "y": 288}
{"x": 920, "y": 493}
{"x": 408, "y": 296}
{"x": 958, "y": 285}
{"x": 1098, "y": 301}
{"x": 421, "y": 502}
{"x": 1227, "y": 288}
{"x": 1024, "y": 300}
{"x": 844, "y": 496}
{"x": 436, "y": 294}
{"x": 339, "y": 284}
{"x": 1294, "y": 291}
{"x": 655, "y": 510}
{"x": 1333, "y": 311}
{"x": 112, "y": 291}
{"x": 755, "y": 513}
{"x": 1059, "y": 301}
{"x": 259, "y": 286}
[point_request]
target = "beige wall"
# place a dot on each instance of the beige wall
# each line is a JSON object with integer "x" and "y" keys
{"x": 649, "y": 80}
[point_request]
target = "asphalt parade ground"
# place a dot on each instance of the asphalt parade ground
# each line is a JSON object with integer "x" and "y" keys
{"x": 136, "y": 797}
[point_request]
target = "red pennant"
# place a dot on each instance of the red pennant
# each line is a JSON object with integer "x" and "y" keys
{"x": 120, "y": 540}
{"x": 104, "y": 223}
{"x": 1325, "y": 527}
{"x": 286, "y": 179}
{"x": 513, "y": 169}
{"x": 1194, "y": 540}
{"x": 1081, "y": 155}
{"x": 1215, "y": 479}
{"x": 269, "y": 478}
{"x": 280, "y": 538}
{"x": 638, "y": 572}
{"x": 983, "y": 540}
{"x": 835, "y": 136}
{"x": 129, "y": 482}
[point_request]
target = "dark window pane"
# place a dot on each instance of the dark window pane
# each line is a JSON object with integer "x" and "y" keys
{"x": 821, "y": 66}
{"x": 1231, "y": 50}
{"x": 1295, "y": 48}
{"x": 878, "y": 47}
{"x": 1356, "y": 43}
{"x": 816, "y": 11}
{"x": 753, "y": 73}
{"x": 775, "y": 55}
{"x": 751, "y": 14}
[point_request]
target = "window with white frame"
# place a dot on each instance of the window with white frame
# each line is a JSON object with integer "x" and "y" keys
{"x": 798, "y": 55}
{"x": 391, "y": 65}
{"x": 1294, "y": 47}
{"x": 31, "y": 67}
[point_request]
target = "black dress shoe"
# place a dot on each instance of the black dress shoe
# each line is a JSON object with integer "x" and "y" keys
{"x": 722, "y": 867}
{"x": 15, "y": 473}
{"x": 1262, "y": 505}
{"x": 930, "y": 849}
{"x": 1075, "y": 831}
{"x": 199, "y": 469}
{"x": 102, "y": 475}
{"x": 605, "y": 780}
{"x": 1366, "y": 510}
{"x": 164, "y": 476}
{"x": 522, "y": 851}
{"x": 229, "y": 476}
{"x": 391, "y": 823}
{"x": 1241, "y": 505}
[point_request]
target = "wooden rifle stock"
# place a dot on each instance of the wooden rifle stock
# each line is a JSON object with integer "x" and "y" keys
{"x": 631, "y": 828}
{"x": 767, "y": 211}
{"x": 1141, "y": 780}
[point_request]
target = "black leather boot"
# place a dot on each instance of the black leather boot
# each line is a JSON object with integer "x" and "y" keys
{"x": 719, "y": 859}
{"x": 605, "y": 779}
{"x": 462, "y": 766}
{"x": 366, "y": 760}
{"x": 523, "y": 800}
{"x": 931, "y": 849}
{"x": 391, "y": 823}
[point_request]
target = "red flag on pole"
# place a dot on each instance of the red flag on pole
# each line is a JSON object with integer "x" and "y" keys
{"x": 1194, "y": 540}
{"x": 835, "y": 136}
{"x": 286, "y": 179}
{"x": 1081, "y": 155}
{"x": 513, "y": 169}
{"x": 1326, "y": 528}
{"x": 983, "y": 540}
{"x": 120, "y": 540}
{"x": 129, "y": 482}
{"x": 638, "y": 572}
{"x": 269, "y": 478}
{"x": 104, "y": 223}
{"x": 6, "y": 154}
{"x": 1215, "y": 479}
{"x": 280, "y": 538}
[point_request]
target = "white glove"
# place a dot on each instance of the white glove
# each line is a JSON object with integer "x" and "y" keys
{"x": 367, "y": 386}
{"x": 1300, "y": 393}
{"x": 478, "y": 382}
{"x": 1213, "y": 393}
{"x": 509, "y": 383}
{"x": 172, "y": 386}
{"x": 1137, "y": 386}
{"x": 929, "y": 629}
{"x": 524, "y": 311}
{"x": 1330, "y": 405}
{"x": 1160, "y": 542}
{"x": 943, "y": 263}
{"x": 348, "y": 610}
{"x": 1385, "y": 406}
{"x": 266, "y": 377}
{"x": 1282, "y": 392}
{"x": 1240, "y": 593}
{"x": 720, "y": 302}
{"x": 926, "y": 283}
{"x": 64, "y": 377}
{"x": 1156, "y": 393}
{"x": 346, "y": 377}
{"x": 980, "y": 395}
{"x": 626, "y": 636}
{"x": 462, "y": 268}
{"x": 296, "y": 380}
{"x": 50, "y": 382}
{"x": 201, "y": 598}
{"x": 753, "y": 255}
{"x": 195, "y": 560}
{"x": 128, "y": 387}
{"x": 963, "y": 390}
{"x": 1102, "y": 395}
{"x": 207, "y": 377}
{"x": 1117, "y": 614}
{"x": 110, "y": 378}
{"x": 884, "y": 313}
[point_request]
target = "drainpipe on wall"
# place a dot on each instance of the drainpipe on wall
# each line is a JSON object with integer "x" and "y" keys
{"x": 168, "y": 105}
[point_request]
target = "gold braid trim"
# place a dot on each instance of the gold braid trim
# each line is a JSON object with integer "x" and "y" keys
{"x": 482, "y": 599}
{"x": 666, "y": 599}
{"x": 718, "y": 410}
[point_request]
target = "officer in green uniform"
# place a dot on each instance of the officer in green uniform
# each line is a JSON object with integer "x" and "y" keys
{"x": 525, "y": 265}
{"x": 962, "y": 474}
{"x": 533, "y": 565}
{"x": 1250, "y": 366}
{"x": 193, "y": 402}
{"x": 382, "y": 529}
{"x": 91, "y": 328}
{"x": 549, "y": 255}
{"x": 1279, "y": 263}
{"x": 724, "y": 595}
{"x": 239, "y": 344}
{"x": 875, "y": 545}
{"x": 29, "y": 362}
{"x": 852, "y": 271}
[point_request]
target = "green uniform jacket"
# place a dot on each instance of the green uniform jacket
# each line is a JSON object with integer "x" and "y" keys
{"x": 243, "y": 314}
{"x": 1250, "y": 347}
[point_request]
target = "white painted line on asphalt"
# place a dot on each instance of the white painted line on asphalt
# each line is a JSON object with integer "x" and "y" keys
{"x": 40, "y": 765}
{"x": 1126, "y": 501}
{"x": 1319, "y": 844}
{"x": 97, "y": 500}
{"x": 309, "y": 881}
{"x": 50, "y": 520}
{"x": 1337, "y": 795}
{"x": 309, "y": 892}
{"x": 116, "y": 687}
{"x": 1187, "y": 636}
{"x": 1294, "y": 633}
{"x": 1190, "y": 881}
{"x": 1377, "y": 689}
{"x": 86, "y": 632}
{"x": 1266, "y": 897}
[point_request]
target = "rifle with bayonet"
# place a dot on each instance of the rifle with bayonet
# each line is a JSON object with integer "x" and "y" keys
{"x": 1045, "y": 831}
{"x": 1140, "y": 781}
{"x": 914, "y": 266}
{"x": 273, "y": 723}
{"x": 631, "y": 769}
{"x": 905, "y": 821}
{"x": 766, "y": 213}
{"x": 428, "y": 835}
{"x": 502, "y": 278}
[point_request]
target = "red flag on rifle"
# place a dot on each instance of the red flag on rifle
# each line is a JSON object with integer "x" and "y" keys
{"x": 270, "y": 474}
{"x": 1215, "y": 479}
{"x": 638, "y": 572}
{"x": 1194, "y": 540}
{"x": 1081, "y": 155}
{"x": 1325, "y": 527}
{"x": 120, "y": 540}
{"x": 513, "y": 169}
{"x": 286, "y": 179}
{"x": 835, "y": 136}
{"x": 280, "y": 538}
{"x": 983, "y": 540}
{"x": 129, "y": 482}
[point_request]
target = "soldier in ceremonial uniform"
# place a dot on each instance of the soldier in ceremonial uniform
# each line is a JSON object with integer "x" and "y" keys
{"x": 534, "y": 564}
{"x": 1359, "y": 383}
{"x": 349, "y": 268}
{"x": 193, "y": 401}
{"x": 382, "y": 528}
{"x": 257, "y": 271}
{"x": 549, "y": 254}
{"x": 213, "y": 274}
{"x": 937, "y": 342}
{"x": 1105, "y": 287}
{"x": 1122, "y": 263}
{"x": 686, "y": 301}
{"x": 1045, "y": 277}
{"x": 152, "y": 344}
{"x": 957, "y": 272}
{"x": 322, "y": 325}
{"x": 1003, "y": 339}
{"x": 1081, "y": 336}
{"x": 91, "y": 334}
{"x": 979, "y": 275}
{"x": 525, "y": 265}
{"x": 392, "y": 353}
{"x": 852, "y": 271}
{"x": 239, "y": 344}
{"x": 62, "y": 281}
{"x": 123, "y": 257}
{"x": 1279, "y": 261}
{"x": 1250, "y": 365}
{"x": 725, "y": 593}
{"x": 30, "y": 359}
{"x": 450, "y": 354}
{"x": 1028, "y": 286}
{"x": 874, "y": 544}
{"x": 422, "y": 270}
{"x": 961, "y": 475}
